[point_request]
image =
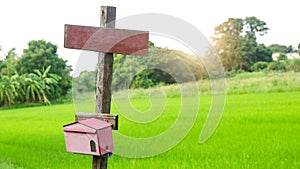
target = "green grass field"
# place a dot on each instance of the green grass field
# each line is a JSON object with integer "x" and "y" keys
{"x": 258, "y": 130}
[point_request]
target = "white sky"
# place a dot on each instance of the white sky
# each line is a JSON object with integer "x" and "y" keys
{"x": 26, "y": 20}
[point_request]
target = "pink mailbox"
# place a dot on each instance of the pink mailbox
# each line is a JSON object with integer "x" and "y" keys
{"x": 90, "y": 136}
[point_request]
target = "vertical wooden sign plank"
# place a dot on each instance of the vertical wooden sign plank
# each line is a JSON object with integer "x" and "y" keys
{"x": 104, "y": 78}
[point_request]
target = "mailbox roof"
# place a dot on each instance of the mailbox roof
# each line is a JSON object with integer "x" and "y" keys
{"x": 86, "y": 126}
{"x": 95, "y": 123}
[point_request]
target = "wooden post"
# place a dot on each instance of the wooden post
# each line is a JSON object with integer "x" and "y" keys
{"x": 104, "y": 78}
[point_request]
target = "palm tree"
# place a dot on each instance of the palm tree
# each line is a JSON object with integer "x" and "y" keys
{"x": 9, "y": 86}
{"x": 31, "y": 87}
{"x": 47, "y": 82}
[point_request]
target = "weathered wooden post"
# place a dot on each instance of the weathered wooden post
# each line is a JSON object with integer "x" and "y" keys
{"x": 106, "y": 40}
{"x": 104, "y": 78}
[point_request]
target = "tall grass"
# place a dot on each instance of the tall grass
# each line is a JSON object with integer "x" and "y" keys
{"x": 259, "y": 129}
{"x": 256, "y": 131}
{"x": 5, "y": 164}
{"x": 243, "y": 83}
{"x": 263, "y": 82}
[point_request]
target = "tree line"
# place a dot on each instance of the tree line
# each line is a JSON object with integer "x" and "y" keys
{"x": 235, "y": 41}
{"x": 38, "y": 76}
{"x": 161, "y": 67}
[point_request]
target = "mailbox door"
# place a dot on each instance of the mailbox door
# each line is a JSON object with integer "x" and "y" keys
{"x": 105, "y": 140}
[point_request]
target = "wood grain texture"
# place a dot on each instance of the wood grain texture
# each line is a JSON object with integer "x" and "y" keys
{"x": 99, "y": 39}
{"x": 99, "y": 162}
{"x": 104, "y": 82}
{"x": 104, "y": 78}
{"x": 110, "y": 118}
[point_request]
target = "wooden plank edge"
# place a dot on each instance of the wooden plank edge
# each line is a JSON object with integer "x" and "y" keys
{"x": 110, "y": 118}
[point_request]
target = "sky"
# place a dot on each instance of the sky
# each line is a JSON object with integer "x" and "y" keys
{"x": 26, "y": 20}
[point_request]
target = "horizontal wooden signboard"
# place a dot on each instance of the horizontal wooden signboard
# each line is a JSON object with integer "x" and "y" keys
{"x": 129, "y": 42}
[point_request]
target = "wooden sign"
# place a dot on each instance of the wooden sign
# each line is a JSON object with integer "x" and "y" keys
{"x": 108, "y": 40}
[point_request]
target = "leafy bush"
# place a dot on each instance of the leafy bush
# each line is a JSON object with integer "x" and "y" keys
{"x": 277, "y": 66}
{"x": 259, "y": 66}
{"x": 294, "y": 65}
{"x": 282, "y": 57}
{"x": 28, "y": 87}
{"x": 285, "y": 65}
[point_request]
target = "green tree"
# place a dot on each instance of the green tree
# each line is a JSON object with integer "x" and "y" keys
{"x": 227, "y": 38}
{"x": 276, "y": 48}
{"x": 290, "y": 49}
{"x": 245, "y": 54}
{"x": 145, "y": 72}
{"x": 41, "y": 54}
{"x": 85, "y": 82}
{"x": 255, "y": 26}
{"x": 235, "y": 42}
{"x": 299, "y": 48}
{"x": 8, "y": 65}
{"x": 263, "y": 54}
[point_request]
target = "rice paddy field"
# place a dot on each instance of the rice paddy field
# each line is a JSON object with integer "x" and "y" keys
{"x": 260, "y": 128}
